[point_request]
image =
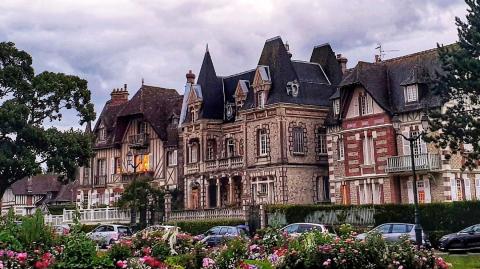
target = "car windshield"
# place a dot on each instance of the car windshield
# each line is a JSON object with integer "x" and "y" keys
{"x": 467, "y": 230}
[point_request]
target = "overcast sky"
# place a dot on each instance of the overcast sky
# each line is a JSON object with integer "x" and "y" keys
{"x": 112, "y": 42}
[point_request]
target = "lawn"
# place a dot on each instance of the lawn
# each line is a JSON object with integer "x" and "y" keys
{"x": 471, "y": 261}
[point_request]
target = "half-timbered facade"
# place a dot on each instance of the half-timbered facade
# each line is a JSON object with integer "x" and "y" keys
{"x": 368, "y": 161}
{"x": 144, "y": 127}
{"x": 258, "y": 136}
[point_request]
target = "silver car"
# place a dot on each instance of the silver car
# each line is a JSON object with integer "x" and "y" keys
{"x": 392, "y": 232}
{"x": 109, "y": 234}
{"x": 296, "y": 229}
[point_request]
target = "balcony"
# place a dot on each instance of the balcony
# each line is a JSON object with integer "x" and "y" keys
{"x": 423, "y": 162}
{"x": 192, "y": 168}
{"x": 223, "y": 164}
{"x": 99, "y": 181}
{"x": 98, "y": 215}
{"x": 139, "y": 141}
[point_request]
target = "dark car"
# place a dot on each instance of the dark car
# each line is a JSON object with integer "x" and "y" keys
{"x": 466, "y": 239}
{"x": 220, "y": 234}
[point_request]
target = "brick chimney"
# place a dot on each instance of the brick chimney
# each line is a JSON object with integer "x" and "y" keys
{"x": 190, "y": 77}
{"x": 119, "y": 96}
{"x": 343, "y": 62}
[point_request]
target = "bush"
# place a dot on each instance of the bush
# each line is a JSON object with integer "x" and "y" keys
{"x": 119, "y": 252}
{"x": 33, "y": 230}
{"x": 201, "y": 226}
{"x": 79, "y": 252}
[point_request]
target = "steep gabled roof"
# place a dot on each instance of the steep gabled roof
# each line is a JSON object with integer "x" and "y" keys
{"x": 39, "y": 185}
{"x": 108, "y": 117}
{"x": 212, "y": 90}
{"x": 324, "y": 55}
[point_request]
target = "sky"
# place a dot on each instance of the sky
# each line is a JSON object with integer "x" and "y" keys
{"x": 113, "y": 42}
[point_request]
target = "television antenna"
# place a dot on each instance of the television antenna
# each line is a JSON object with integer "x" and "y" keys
{"x": 381, "y": 51}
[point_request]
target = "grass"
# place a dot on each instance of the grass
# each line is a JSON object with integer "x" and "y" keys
{"x": 471, "y": 261}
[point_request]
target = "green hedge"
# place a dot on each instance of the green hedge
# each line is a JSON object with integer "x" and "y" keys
{"x": 437, "y": 219}
{"x": 201, "y": 226}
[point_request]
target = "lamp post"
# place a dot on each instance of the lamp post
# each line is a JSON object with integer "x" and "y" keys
{"x": 133, "y": 211}
{"x": 412, "y": 139}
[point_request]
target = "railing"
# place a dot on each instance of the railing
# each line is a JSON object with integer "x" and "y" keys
{"x": 139, "y": 140}
{"x": 100, "y": 180}
{"x": 98, "y": 215}
{"x": 215, "y": 213}
{"x": 192, "y": 168}
{"x": 210, "y": 165}
{"x": 398, "y": 164}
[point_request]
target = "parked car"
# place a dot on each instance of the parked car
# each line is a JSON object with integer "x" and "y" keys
{"x": 109, "y": 234}
{"x": 296, "y": 229}
{"x": 158, "y": 228}
{"x": 219, "y": 234}
{"x": 466, "y": 239}
{"x": 62, "y": 229}
{"x": 392, "y": 232}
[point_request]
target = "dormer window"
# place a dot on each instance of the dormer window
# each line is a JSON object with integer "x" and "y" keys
{"x": 193, "y": 115}
{"x": 365, "y": 104}
{"x": 411, "y": 93}
{"x": 102, "y": 134}
{"x": 336, "y": 107}
{"x": 142, "y": 127}
{"x": 261, "y": 99}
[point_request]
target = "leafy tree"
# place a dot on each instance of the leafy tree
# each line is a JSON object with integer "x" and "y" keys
{"x": 143, "y": 197}
{"x": 459, "y": 87}
{"x": 27, "y": 102}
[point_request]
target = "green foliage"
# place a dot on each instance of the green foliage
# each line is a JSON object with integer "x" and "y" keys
{"x": 79, "y": 252}
{"x": 231, "y": 256}
{"x": 33, "y": 230}
{"x": 161, "y": 250}
{"x": 460, "y": 83}
{"x": 201, "y": 226}
{"x": 102, "y": 262}
{"x": 27, "y": 101}
{"x": 119, "y": 252}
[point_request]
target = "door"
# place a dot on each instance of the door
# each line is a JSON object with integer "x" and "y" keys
{"x": 397, "y": 231}
{"x": 473, "y": 237}
{"x": 97, "y": 233}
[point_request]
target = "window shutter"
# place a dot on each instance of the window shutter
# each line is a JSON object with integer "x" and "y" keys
{"x": 468, "y": 190}
{"x": 410, "y": 191}
{"x": 453, "y": 191}
{"x": 355, "y": 106}
{"x": 112, "y": 166}
{"x": 405, "y": 142}
{"x": 428, "y": 194}
{"x": 150, "y": 162}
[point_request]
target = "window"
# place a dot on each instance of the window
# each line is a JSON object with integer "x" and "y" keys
{"x": 421, "y": 191}
{"x": 368, "y": 151}
{"x": 322, "y": 141}
{"x": 298, "y": 141}
{"x": 142, "y": 127}
{"x": 101, "y": 167}
{"x": 340, "y": 150}
{"x": 263, "y": 188}
{"x": 118, "y": 165}
{"x": 211, "y": 149}
{"x": 365, "y": 104}
{"x": 261, "y": 99}
{"x": 345, "y": 194}
{"x": 411, "y": 93}
{"x": 172, "y": 158}
{"x": 459, "y": 186}
{"x": 262, "y": 142}
{"x": 86, "y": 175}
{"x": 142, "y": 162}
{"x": 419, "y": 146}
{"x": 336, "y": 106}
{"x": 230, "y": 147}
{"x": 322, "y": 186}
{"x": 193, "y": 153}
{"x": 193, "y": 115}
{"x": 102, "y": 134}
{"x": 383, "y": 229}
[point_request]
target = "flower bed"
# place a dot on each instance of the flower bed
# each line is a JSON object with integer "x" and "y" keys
{"x": 268, "y": 249}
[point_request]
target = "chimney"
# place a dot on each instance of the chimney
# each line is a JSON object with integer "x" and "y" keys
{"x": 287, "y": 48}
{"x": 377, "y": 58}
{"x": 119, "y": 96}
{"x": 190, "y": 77}
{"x": 343, "y": 62}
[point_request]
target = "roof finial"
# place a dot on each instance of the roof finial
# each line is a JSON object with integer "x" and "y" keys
{"x": 143, "y": 81}
{"x": 207, "y": 48}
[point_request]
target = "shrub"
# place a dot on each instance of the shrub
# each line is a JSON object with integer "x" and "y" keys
{"x": 119, "y": 252}
{"x": 33, "y": 230}
{"x": 201, "y": 226}
{"x": 161, "y": 250}
{"x": 79, "y": 252}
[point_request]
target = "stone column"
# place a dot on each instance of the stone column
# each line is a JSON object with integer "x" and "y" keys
{"x": 187, "y": 193}
{"x": 219, "y": 204}
{"x": 231, "y": 190}
{"x": 207, "y": 193}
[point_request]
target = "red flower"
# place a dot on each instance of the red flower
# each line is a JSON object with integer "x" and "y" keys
{"x": 41, "y": 265}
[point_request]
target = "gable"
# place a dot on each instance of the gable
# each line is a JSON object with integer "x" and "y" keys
{"x": 242, "y": 88}
{"x": 354, "y": 106}
{"x": 262, "y": 75}
{"x": 193, "y": 95}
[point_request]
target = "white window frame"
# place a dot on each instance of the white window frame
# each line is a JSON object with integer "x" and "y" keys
{"x": 172, "y": 157}
{"x": 210, "y": 150}
{"x": 340, "y": 149}
{"x": 368, "y": 151}
{"x": 262, "y": 142}
{"x": 411, "y": 93}
{"x": 322, "y": 142}
{"x": 102, "y": 134}
{"x": 298, "y": 140}
{"x": 230, "y": 147}
{"x": 261, "y": 99}
{"x": 142, "y": 127}
{"x": 336, "y": 106}
{"x": 193, "y": 153}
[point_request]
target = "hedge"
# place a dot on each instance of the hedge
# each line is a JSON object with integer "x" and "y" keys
{"x": 200, "y": 226}
{"x": 437, "y": 219}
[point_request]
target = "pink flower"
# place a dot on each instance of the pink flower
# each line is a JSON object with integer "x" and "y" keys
{"x": 327, "y": 263}
{"x": 10, "y": 253}
{"x": 121, "y": 264}
{"x": 208, "y": 263}
{"x": 22, "y": 257}
{"x": 1, "y": 265}
{"x": 147, "y": 251}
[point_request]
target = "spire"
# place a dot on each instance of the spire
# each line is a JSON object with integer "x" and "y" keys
{"x": 206, "y": 50}
{"x": 143, "y": 81}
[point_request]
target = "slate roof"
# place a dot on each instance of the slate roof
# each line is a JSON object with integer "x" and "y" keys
{"x": 317, "y": 78}
{"x": 40, "y": 185}
{"x": 385, "y": 81}
{"x": 155, "y": 105}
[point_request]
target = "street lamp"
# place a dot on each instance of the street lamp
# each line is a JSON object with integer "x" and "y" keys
{"x": 396, "y": 122}
{"x": 130, "y": 162}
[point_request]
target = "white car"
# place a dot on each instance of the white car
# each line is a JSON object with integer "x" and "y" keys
{"x": 296, "y": 229}
{"x": 109, "y": 234}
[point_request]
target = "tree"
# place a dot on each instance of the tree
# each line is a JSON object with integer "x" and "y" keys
{"x": 459, "y": 87}
{"x": 27, "y": 101}
{"x": 144, "y": 198}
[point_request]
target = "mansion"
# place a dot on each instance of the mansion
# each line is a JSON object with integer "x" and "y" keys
{"x": 285, "y": 131}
